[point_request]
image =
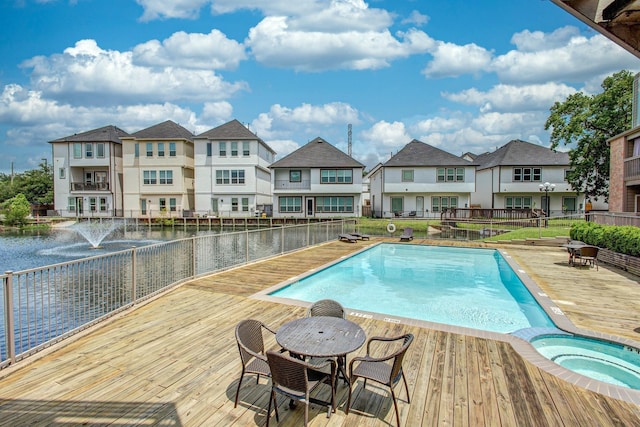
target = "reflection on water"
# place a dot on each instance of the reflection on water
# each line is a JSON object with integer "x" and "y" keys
{"x": 25, "y": 250}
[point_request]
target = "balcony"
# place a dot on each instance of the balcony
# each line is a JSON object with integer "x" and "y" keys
{"x": 632, "y": 169}
{"x": 95, "y": 186}
{"x": 287, "y": 185}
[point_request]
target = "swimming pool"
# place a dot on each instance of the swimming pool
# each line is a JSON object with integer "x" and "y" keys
{"x": 469, "y": 287}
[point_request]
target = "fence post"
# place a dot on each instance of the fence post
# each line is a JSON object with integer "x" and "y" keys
{"x": 194, "y": 263}
{"x": 9, "y": 320}
{"x": 282, "y": 239}
{"x": 246, "y": 233}
{"x": 134, "y": 280}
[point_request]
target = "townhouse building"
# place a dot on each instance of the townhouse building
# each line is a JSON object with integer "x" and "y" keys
{"x": 624, "y": 172}
{"x": 158, "y": 171}
{"x": 232, "y": 175}
{"x": 522, "y": 175}
{"x": 421, "y": 181}
{"x": 317, "y": 180}
{"x": 88, "y": 177}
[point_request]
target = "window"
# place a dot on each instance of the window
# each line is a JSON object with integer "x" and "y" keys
{"x": 334, "y": 204}
{"x": 172, "y": 204}
{"x": 290, "y": 204}
{"x": 149, "y": 177}
{"x": 163, "y": 204}
{"x": 136, "y": 150}
{"x": 234, "y": 204}
{"x": 237, "y": 176}
{"x": 295, "y": 176}
{"x": 246, "y": 148}
{"x": 166, "y": 177}
{"x": 172, "y": 149}
{"x": 103, "y": 204}
{"x": 209, "y": 149}
{"x": 88, "y": 150}
{"x": 234, "y": 149}
{"x": 397, "y": 205}
{"x": 160, "y": 149}
{"x": 442, "y": 203}
{"x": 71, "y": 203}
{"x": 92, "y": 204}
{"x": 62, "y": 173}
{"x": 100, "y": 150}
{"x": 336, "y": 176}
{"x": 245, "y": 204}
{"x": 527, "y": 174}
{"x": 450, "y": 175}
{"x": 222, "y": 177}
{"x": 567, "y": 174}
{"x": 407, "y": 175}
{"x": 149, "y": 149}
{"x": 222, "y": 149}
{"x": 518, "y": 202}
{"x": 77, "y": 151}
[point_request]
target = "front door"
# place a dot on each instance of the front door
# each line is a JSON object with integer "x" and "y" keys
{"x": 309, "y": 206}
{"x": 79, "y": 210}
{"x": 419, "y": 205}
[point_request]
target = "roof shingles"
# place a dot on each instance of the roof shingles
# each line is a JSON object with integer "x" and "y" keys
{"x": 317, "y": 154}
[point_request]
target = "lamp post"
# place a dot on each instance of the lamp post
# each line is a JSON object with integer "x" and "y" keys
{"x": 546, "y": 187}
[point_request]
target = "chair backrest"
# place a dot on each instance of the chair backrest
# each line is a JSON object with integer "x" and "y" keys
{"x": 326, "y": 307}
{"x": 249, "y": 338}
{"x": 589, "y": 251}
{"x": 287, "y": 372}
{"x": 396, "y": 369}
{"x": 408, "y": 231}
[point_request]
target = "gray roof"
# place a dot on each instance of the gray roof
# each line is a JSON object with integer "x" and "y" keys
{"x": 522, "y": 153}
{"x": 164, "y": 130}
{"x": 317, "y": 154}
{"x": 230, "y": 130}
{"x": 104, "y": 134}
{"x": 417, "y": 153}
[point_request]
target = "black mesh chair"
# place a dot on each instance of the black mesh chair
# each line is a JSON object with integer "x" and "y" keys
{"x": 296, "y": 379}
{"x": 252, "y": 353}
{"x": 386, "y": 370}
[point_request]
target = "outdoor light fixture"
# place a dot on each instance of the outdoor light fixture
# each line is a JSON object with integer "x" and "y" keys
{"x": 546, "y": 187}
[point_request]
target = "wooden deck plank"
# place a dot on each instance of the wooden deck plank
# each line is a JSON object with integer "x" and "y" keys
{"x": 174, "y": 361}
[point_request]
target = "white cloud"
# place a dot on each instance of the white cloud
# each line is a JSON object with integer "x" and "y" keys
{"x": 384, "y": 136}
{"x": 450, "y": 59}
{"x": 159, "y": 9}
{"x": 513, "y": 98}
{"x": 99, "y": 76}
{"x": 416, "y": 18}
{"x": 533, "y": 41}
{"x": 191, "y": 50}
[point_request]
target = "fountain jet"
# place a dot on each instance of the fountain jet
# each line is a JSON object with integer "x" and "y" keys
{"x": 96, "y": 231}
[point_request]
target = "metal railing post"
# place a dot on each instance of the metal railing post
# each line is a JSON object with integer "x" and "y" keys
{"x": 246, "y": 233}
{"x": 194, "y": 263}
{"x": 282, "y": 239}
{"x": 134, "y": 279}
{"x": 9, "y": 320}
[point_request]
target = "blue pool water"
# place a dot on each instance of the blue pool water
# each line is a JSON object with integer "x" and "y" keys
{"x": 473, "y": 288}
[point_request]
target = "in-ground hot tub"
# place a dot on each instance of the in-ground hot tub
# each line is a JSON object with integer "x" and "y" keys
{"x": 601, "y": 360}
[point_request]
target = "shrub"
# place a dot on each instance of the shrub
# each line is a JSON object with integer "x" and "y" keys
{"x": 621, "y": 239}
{"x": 18, "y": 210}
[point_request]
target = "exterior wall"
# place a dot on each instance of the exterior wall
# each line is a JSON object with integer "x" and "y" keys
{"x": 482, "y": 197}
{"x": 257, "y": 178}
{"x": 138, "y": 194}
{"x": 375, "y": 189}
{"x": 309, "y": 189}
{"x": 617, "y": 190}
{"x": 90, "y": 197}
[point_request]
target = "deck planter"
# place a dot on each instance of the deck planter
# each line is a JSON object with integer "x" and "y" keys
{"x": 625, "y": 262}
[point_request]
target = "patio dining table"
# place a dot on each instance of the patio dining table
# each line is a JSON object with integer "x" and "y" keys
{"x": 322, "y": 336}
{"x": 573, "y": 248}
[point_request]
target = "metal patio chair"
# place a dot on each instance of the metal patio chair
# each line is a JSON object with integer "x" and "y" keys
{"x": 326, "y": 307}
{"x": 252, "y": 353}
{"x": 386, "y": 370}
{"x": 296, "y": 379}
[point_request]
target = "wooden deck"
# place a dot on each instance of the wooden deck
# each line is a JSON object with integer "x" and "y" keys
{"x": 174, "y": 361}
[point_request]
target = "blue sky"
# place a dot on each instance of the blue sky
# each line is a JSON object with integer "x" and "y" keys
{"x": 459, "y": 75}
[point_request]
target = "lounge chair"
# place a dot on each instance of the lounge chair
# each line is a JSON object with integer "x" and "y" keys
{"x": 348, "y": 237}
{"x": 407, "y": 235}
{"x": 588, "y": 255}
{"x": 386, "y": 370}
{"x": 361, "y": 236}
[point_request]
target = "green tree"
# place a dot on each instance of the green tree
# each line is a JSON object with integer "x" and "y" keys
{"x": 18, "y": 210}
{"x": 585, "y": 122}
{"x": 35, "y": 184}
